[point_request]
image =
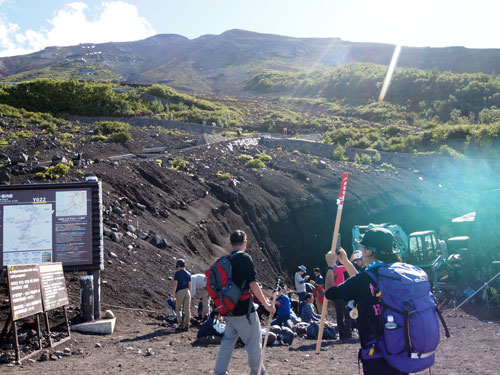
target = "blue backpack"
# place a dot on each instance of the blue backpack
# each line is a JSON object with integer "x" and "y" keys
{"x": 410, "y": 317}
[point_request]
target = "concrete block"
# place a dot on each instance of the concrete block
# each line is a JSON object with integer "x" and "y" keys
{"x": 98, "y": 327}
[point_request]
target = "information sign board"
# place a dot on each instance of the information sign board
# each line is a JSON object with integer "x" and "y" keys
{"x": 24, "y": 290}
{"x": 48, "y": 223}
{"x": 53, "y": 286}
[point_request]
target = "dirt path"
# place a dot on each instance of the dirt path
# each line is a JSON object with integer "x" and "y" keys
{"x": 472, "y": 349}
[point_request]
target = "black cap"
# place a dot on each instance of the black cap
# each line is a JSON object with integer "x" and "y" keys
{"x": 180, "y": 263}
{"x": 380, "y": 240}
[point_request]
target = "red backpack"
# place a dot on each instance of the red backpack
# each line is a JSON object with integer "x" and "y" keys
{"x": 220, "y": 286}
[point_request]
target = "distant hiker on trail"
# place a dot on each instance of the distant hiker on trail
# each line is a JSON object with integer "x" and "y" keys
{"x": 199, "y": 283}
{"x": 284, "y": 310}
{"x": 182, "y": 292}
{"x": 242, "y": 323}
{"x": 377, "y": 249}
{"x": 300, "y": 282}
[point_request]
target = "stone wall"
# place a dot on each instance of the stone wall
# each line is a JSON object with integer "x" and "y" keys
{"x": 428, "y": 163}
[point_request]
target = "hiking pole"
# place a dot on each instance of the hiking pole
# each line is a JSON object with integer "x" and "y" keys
{"x": 340, "y": 204}
{"x": 275, "y": 293}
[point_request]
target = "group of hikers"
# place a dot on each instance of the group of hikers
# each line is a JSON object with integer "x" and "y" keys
{"x": 352, "y": 284}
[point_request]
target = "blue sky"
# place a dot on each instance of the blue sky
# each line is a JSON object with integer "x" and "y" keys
{"x": 30, "y": 25}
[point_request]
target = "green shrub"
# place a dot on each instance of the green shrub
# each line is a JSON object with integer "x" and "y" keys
{"x": 179, "y": 163}
{"x": 447, "y": 150}
{"x": 387, "y": 165}
{"x": 376, "y": 157}
{"x": 366, "y": 159}
{"x": 339, "y": 153}
{"x": 120, "y": 137}
{"x": 264, "y": 157}
{"x": 357, "y": 159}
{"x": 224, "y": 176}
{"x": 55, "y": 171}
{"x": 109, "y": 127}
{"x": 99, "y": 138}
{"x": 255, "y": 163}
{"x": 244, "y": 157}
{"x": 48, "y": 126}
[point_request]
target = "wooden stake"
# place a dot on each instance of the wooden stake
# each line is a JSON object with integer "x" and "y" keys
{"x": 340, "y": 204}
{"x": 275, "y": 293}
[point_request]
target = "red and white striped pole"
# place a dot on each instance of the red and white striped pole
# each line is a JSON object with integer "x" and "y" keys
{"x": 340, "y": 205}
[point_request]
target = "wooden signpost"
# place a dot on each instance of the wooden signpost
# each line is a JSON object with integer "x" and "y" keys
{"x": 35, "y": 289}
{"x": 54, "y": 295}
{"x": 340, "y": 206}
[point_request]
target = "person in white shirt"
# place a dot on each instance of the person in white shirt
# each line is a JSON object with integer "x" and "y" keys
{"x": 199, "y": 282}
{"x": 300, "y": 282}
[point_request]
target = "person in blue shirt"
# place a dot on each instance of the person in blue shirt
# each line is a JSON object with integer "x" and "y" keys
{"x": 283, "y": 311}
{"x": 182, "y": 292}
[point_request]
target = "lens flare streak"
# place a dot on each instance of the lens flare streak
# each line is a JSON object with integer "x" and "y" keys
{"x": 390, "y": 71}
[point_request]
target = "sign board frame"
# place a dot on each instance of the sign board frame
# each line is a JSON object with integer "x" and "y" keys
{"x": 84, "y": 236}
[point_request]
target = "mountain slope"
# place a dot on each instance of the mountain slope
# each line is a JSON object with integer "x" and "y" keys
{"x": 221, "y": 63}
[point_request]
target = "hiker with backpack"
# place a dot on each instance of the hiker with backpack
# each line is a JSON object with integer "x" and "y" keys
{"x": 397, "y": 315}
{"x": 241, "y": 318}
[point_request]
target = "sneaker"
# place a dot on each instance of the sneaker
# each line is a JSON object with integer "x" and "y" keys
{"x": 185, "y": 329}
{"x": 178, "y": 329}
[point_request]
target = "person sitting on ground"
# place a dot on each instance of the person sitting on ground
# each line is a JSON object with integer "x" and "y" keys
{"x": 490, "y": 295}
{"x": 171, "y": 308}
{"x": 319, "y": 295}
{"x": 469, "y": 292}
{"x": 283, "y": 311}
{"x": 212, "y": 330}
{"x": 308, "y": 314}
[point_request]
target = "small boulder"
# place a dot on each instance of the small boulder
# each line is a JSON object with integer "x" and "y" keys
{"x": 19, "y": 157}
{"x": 116, "y": 237}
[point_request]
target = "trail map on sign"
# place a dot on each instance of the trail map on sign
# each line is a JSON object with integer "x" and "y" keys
{"x": 27, "y": 227}
{"x": 71, "y": 203}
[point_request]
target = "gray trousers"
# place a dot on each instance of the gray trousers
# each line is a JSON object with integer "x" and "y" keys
{"x": 239, "y": 326}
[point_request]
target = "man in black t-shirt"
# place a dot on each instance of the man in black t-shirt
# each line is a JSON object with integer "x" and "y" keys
{"x": 244, "y": 322}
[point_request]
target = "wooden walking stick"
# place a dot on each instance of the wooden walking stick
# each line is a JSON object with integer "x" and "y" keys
{"x": 340, "y": 204}
{"x": 275, "y": 293}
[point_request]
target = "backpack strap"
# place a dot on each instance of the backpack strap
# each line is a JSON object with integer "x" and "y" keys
{"x": 446, "y": 331}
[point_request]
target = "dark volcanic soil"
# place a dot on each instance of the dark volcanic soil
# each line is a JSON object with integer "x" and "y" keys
{"x": 287, "y": 209}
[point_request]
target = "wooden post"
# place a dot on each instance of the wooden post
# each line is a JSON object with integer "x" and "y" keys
{"x": 275, "y": 293}
{"x": 340, "y": 204}
{"x": 87, "y": 298}
{"x": 97, "y": 294}
{"x": 47, "y": 325}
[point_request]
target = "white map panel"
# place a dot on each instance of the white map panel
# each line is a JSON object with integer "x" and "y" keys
{"x": 27, "y": 227}
{"x": 71, "y": 203}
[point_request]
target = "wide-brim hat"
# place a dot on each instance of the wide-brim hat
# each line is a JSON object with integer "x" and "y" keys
{"x": 380, "y": 240}
{"x": 302, "y": 268}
